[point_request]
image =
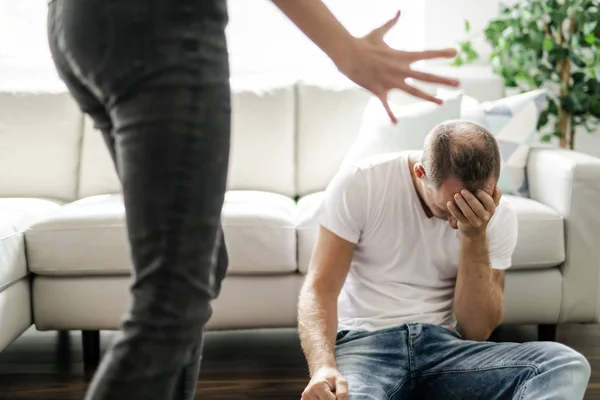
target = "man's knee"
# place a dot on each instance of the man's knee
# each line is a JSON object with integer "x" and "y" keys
{"x": 566, "y": 361}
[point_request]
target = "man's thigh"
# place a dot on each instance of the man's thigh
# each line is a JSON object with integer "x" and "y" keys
{"x": 448, "y": 367}
{"x": 375, "y": 364}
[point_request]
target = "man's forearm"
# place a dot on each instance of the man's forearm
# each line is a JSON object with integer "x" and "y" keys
{"x": 320, "y": 25}
{"x": 317, "y": 326}
{"x": 478, "y": 299}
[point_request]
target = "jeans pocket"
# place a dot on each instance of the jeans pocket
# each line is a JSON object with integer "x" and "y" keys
{"x": 341, "y": 334}
{"x": 84, "y": 33}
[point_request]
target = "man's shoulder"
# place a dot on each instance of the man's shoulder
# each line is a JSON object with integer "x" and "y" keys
{"x": 374, "y": 166}
{"x": 505, "y": 214}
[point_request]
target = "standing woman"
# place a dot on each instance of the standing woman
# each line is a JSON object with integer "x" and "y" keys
{"x": 154, "y": 77}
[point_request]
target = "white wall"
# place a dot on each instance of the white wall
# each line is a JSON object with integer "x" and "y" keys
{"x": 444, "y": 25}
{"x": 588, "y": 143}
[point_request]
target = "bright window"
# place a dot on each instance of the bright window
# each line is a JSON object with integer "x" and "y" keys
{"x": 261, "y": 39}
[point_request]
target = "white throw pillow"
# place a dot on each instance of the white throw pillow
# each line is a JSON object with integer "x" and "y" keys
{"x": 513, "y": 121}
{"x": 378, "y": 135}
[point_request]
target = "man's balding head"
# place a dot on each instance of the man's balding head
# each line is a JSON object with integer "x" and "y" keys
{"x": 464, "y": 151}
{"x": 458, "y": 155}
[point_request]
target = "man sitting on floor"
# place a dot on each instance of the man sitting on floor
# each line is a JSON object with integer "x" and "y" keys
{"x": 409, "y": 246}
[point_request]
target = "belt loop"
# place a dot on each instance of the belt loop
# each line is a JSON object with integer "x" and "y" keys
{"x": 414, "y": 330}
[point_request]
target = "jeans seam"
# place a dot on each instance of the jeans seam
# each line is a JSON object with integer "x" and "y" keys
{"x": 524, "y": 387}
{"x": 524, "y": 384}
{"x": 463, "y": 370}
{"x": 396, "y": 389}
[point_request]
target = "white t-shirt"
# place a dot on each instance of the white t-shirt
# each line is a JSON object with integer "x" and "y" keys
{"x": 405, "y": 264}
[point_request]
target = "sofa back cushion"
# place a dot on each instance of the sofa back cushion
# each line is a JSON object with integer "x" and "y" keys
{"x": 262, "y": 145}
{"x": 97, "y": 173}
{"x": 328, "y": 123}
{"x": 40, "y": 136}
{"x": 330, "y": 115}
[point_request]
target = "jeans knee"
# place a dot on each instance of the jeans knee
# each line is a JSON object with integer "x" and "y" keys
{"x": 580, "y": 367}
{"x": 569, "y": 362}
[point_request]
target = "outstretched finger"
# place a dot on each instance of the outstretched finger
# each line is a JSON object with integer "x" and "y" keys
{"x": 419, "y": 93}
{"x": 386, "y": 105}
{"x": 430, "y": 54}
{"x": 425, "y": 77}
{"x": 384, "y": 29}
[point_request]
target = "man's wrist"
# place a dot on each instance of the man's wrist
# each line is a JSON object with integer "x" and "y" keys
{"x": 474, "y": 239}
{"x": 330, "y": 363}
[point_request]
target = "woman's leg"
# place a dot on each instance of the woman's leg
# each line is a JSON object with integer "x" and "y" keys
{"x": 159, "y": 69}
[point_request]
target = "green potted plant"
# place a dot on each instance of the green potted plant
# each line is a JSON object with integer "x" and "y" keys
{"x": 552, "y": 44}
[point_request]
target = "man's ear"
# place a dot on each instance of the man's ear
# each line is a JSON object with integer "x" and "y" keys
{"x": 419, "y": 171}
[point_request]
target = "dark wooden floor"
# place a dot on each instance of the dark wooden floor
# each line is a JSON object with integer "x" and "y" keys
{"x": 249, "y": 365}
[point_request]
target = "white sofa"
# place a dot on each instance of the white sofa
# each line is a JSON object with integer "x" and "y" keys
{"x": 60, "y": 198}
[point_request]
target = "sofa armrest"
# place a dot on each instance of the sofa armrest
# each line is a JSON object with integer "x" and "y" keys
{"x": 569, "y": 182}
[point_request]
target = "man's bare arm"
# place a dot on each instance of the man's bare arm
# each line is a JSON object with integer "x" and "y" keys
{"x": 479, "y": 293}
{"x": 317, "y": 306}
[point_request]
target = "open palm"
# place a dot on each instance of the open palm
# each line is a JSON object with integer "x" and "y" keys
{"x": 379, "y": 68}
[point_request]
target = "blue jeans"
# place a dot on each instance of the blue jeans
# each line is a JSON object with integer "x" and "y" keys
{"x": 154, "y": 77}
{"x": 420, "y": 361}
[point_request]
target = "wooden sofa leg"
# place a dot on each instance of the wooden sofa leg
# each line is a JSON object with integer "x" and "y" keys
{"x": 547, "y": 332}
{"x": 91, "y": 350}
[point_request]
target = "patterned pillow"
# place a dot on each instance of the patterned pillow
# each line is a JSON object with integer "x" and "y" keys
{"x": 378, "y": 135}
{"x": 513, "y": 121}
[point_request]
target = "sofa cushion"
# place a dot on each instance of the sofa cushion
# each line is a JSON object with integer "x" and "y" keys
{"x": 260, "y": 232}
{"x": 330, "y": 114}
{"x": 540, "y": 244}
{"x": 262, "y": 145}
{"x": 40, "y": 136}
{"x": 88, "y": 237}
{"x": 16, "y": 215}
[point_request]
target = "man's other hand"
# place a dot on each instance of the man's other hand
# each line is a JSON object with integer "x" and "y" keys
{"x": 471, "y": 213}
{"x": 326, "y": 384}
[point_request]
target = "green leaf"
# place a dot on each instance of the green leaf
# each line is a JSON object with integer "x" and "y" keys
{"x": 536, "y": 41}
{"x": 576, "y": 60}
{"x": 552, "y": 107}
{"x": 589, "y": 27}
{"x": 457, "y": 62}
{"x": 578, "y": 77}
{"x": 542, "y": 120}
{"x": 546, "y": 138}
{"x": 566, "y": 103}
{"x": 467, "y": 26}
{"x": 595, "y": 107}
{"x": 548, "y": 44}
{"x": 558, "y": 16}
{"x": 590, "y": 38}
